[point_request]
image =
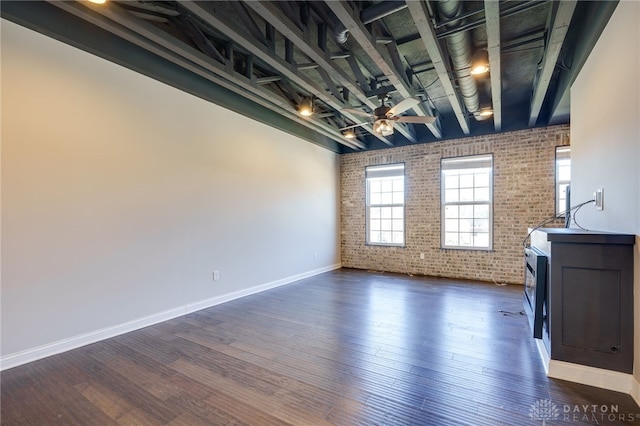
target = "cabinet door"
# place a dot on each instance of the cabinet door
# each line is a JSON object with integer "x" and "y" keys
{"x": 591, "y": 309}
{"x": 591, "y": 305}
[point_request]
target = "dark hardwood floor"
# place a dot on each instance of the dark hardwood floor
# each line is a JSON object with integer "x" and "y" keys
{"x": 347, "y": 347}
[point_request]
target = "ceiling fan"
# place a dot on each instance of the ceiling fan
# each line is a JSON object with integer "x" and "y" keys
{"x": 384, "y": 116}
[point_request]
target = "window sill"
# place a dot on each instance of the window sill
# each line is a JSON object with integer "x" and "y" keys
{"x": 467, "y": 249}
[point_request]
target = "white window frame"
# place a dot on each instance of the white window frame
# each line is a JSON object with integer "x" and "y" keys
{"x": 452, "y": 208}
{"x": 393, "y": 205}
{"x": 563, "y": 162}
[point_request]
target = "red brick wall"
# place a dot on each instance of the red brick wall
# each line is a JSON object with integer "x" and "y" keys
{"x": 524, "y": 194}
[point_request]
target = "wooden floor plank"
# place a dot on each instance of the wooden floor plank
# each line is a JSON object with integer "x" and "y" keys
{"x": 347, "y": 347}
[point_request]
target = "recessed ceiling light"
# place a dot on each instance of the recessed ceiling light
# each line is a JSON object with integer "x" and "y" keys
{"x": 479, "y": 69}
{"x": 306, "y": 107}
{"x": 98, "y": 1}
{"x": 350, "y": 134}
{"x": 480, "y": 63}
{"x": 486, "y": 112}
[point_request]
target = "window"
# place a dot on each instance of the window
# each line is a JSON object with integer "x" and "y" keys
{"x": 385, "y": 205}
{"x": 467, "y": 202}
{"x": 563, "y": 177}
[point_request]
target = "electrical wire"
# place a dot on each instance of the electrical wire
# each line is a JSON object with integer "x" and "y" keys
{"x": 557, "y": 216}
{"x": 575, "y": 220}
{"x": 510, "y": 313}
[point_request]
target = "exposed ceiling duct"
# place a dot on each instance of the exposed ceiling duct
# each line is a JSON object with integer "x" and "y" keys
{"x": 460, "y": 48}
{"x": 263, "y": 58}
{"x": 339, "y": 32}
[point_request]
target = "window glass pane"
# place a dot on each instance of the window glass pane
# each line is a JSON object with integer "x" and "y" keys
{"x": 397, "y": 225}
{"x": 481, "y": 211}
{"x": 374, "y": 225}
{"x": 397, "y": 212}
{"x": 398, "y": 198}
{"x": 466, "y": 194}
{"x": 563, "y": 190}
{"x": 466, "y": 239}
{"x": 374, "y": 236}
{"x": 374, "y": 185}
{"x": 481, "y": 194}
{"x": 386, "y": 198}
{"x": 466, "y": 225}
{"x": 482, "y": 179}
{"x": 385, "y": 224}
{"x": 374, "y": 198}
{"x": 450, "y": 181}
{"x": 398, "y": 238}
{"x": 481, "y": 225}
{"x": 451, "y": 211}
{"x": 466, "y": 211}
{"x": 564, "y": 173}
{"x": 451, "y": 225}
{"x": 481, "y": 240}
{"x": 562, "y": 197}
{"x": 374, "y": 212}
{"x": 385, "y": 212}
{"x": 466, "y": 180}
{"x": 387, "y": 185}
{"x": 563, "y": 168}
{"x": 450, "y": 195}
{"x": 398, "y": 185}
{"x": 385, "y": 237}
{"x": 451, "y": 239}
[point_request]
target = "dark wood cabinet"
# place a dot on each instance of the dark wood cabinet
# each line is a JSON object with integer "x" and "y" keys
{"x": 589, "y": 301}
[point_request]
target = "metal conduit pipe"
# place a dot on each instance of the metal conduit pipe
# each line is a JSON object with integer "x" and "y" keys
{"x": 460, "y": 49}
{"x": 380, "y": 10}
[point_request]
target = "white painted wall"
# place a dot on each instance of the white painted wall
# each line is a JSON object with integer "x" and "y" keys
{"x": 121, "y": 195}
{"x": 605, "y": 135}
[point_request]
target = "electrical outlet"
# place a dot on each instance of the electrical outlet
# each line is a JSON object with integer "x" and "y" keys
{"x": 421, "y": 255}
{"x": 216, "y": 275}
{"x": 598, "y": 198}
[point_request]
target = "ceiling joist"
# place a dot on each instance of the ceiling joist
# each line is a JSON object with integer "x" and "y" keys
{"x": 428, "y": 36}
{"x": 558, "y": 32}
{"x": 492, "y": 13}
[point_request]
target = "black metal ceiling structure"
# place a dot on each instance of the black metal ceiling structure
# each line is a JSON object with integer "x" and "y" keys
{"x": 346, "y": 59}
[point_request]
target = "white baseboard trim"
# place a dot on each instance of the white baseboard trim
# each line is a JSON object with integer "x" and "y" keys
{"x": 34, "y": 354}
{"x": 635, "y": 391}
{"x": 591, "y": 376}
{"x": 544, "y": 355}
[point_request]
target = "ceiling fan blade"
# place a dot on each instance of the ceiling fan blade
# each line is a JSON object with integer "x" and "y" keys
{"x": 358, "y": 112}
{"x": 414, "y": 119}
{"x": 353, "y": 125}
{"x": 403, "y": 106}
